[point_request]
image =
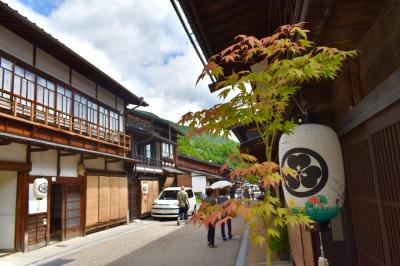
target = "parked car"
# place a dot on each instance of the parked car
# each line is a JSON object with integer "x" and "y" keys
{"x": 166, "y": 204}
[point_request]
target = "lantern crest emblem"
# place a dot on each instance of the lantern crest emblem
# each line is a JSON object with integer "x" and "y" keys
{"x": 311, "y": 172}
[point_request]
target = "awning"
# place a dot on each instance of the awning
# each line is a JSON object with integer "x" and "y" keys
{"x": 148, "y": 169}
{"x": 171, "y": 170}
{"x": 28, "y": 140}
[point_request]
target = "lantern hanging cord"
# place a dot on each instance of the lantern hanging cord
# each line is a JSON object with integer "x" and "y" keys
{"x": 321, "y": 247}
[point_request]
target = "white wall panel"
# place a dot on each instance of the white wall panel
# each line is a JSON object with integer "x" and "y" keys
{"x": 199, "y": 183}
{"x": 14, "y": 152}
{"x": 106, "y": 97}
{"x": 69, "y": 165}
{"x": 98, "y": 163}
{"x": 15, "y": 45}
{"x": 8, "y": 197}
{"x": 120, "y": 105}
{"x": 83, "y": 84}
{"x": 117, "y": 166}
{"x": 44, "y": 163}
{"x": 52, "y": 66}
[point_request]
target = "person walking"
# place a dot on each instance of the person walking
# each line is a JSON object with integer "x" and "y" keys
{"x": 211, "y": 227}
{"x": 183, "y": 203}
{"x": 220, "y": 200}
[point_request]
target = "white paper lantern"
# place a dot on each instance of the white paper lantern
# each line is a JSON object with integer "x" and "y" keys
{"x": 314, "y": 152}
{"x": 40, "y": 186}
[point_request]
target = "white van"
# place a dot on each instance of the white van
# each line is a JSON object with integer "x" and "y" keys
{"x": 166, "y": 204}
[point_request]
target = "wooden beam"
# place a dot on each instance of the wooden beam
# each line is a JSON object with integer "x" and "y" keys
{"x": 90, "y": 171}
{"x": 112, "y": 160}
{"x": 4, "y": 142}
{"x": 39, "y": 149}
{"x": 63, "y": 154}
{"x": 12, "y": 166}
{"x": 90, "y": 157}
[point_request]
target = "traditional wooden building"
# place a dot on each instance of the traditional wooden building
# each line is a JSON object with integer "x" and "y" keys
{"x": 362, "y": 105}
{"x": 62, "y": 120}
{"x": 198, "y": 173}
{"x": 154, "y": 149}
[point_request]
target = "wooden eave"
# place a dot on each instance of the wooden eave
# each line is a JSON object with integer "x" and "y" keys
{"x": 67, "y": 148}
{"x": 21, "y": 26}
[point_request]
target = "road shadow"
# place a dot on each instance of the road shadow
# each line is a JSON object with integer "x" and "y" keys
{"x": 58, "y": 262}
{"x": 185, "y": 246}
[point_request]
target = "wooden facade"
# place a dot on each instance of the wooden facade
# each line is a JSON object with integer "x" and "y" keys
{"x": 61, "y": 119}
{"x": 154, "y": 148}
{"x": 362, "y": 105}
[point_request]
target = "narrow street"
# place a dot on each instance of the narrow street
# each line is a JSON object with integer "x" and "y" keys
{"x": 159, "y": 243}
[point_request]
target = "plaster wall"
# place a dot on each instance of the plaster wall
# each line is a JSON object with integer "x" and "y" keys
{"x": 44, "y": 163}
{"x": 69, "y": 165}
{"x": 52, "y": 66}
{"x": 83, "y": 84}
{"x": 97, "y": 163}
{"x": 15, "y": 45}
{"x": 8, "y": 197}
{"x": 14, "y": 152}
{"x": 106, "y": 97}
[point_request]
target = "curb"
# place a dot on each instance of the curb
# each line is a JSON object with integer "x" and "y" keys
{"x": 241, "y": 256}
{"x": 84, "y": 246}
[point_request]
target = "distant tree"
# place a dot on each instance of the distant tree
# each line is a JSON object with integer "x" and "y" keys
{"x": 207, "y": 147}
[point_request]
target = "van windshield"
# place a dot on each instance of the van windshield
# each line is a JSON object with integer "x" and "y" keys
{"x": 168, "y": 195}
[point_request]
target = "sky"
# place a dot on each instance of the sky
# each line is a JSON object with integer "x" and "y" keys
{"x": 141, "y": 44}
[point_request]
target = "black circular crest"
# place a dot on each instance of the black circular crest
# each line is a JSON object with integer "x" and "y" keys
{"x": 310, "y": 174}
{"x": 42, "y": 188}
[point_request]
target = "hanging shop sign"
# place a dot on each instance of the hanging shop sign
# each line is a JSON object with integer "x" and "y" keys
{"x": 313, "y": 151}
{"x": 40, "y": 186}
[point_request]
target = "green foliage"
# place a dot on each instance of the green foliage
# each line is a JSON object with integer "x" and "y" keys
{"x": 207, "y": 147}
{"x": 280, "y": 244}
{"x": 259, "y": 98}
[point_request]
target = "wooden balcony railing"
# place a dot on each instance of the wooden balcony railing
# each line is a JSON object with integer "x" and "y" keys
{"x": 154, "y": 162}
{"x": 26, "y": 110}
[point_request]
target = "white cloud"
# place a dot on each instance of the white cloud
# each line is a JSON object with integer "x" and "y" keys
{"x": 139, "y": 43}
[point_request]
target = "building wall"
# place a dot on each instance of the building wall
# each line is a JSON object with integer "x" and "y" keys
{"x": 199, "y": 183}
{"x": 8, "y": 196}
{"x": 106, "y": 97}
{"x": 15, "y": 45}
{"x": 51, "y": 65}
{"x": 14, "y": 152}
{"x": 44, "y": 163}
{"x": 83, "y": 84}
{"x": 370, "y": 86}
{"x": 69, "y": 165}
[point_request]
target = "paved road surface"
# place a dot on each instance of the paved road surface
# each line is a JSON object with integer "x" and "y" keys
{"x": 161, "y": 243}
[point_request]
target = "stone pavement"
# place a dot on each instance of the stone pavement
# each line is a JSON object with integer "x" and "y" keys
{"x": 52, "y": 252}
{"x": 146, "y": 243}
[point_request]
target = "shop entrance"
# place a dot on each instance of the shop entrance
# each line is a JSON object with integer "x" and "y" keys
{"x": 65, "y": 213}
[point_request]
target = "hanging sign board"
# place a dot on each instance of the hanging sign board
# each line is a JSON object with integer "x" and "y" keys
{"x": 313, "y": 151}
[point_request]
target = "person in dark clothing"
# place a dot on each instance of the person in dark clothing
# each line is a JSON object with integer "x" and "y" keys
{"x": 220, "y": 200}
{"x": 211, "y": 227}
{"x": 232, "y": 191}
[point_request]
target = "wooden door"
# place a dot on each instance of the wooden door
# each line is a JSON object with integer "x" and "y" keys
{"x": 372, "y": 156}
{"x": 148, "y": 199}
{"x": 56, "y": 212}
{"x": 72, "y": 211}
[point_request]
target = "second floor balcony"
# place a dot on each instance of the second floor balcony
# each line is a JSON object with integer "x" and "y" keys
{"x": 32, "y": 99}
